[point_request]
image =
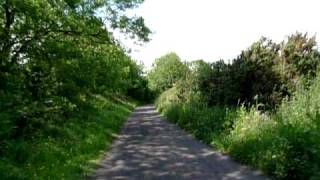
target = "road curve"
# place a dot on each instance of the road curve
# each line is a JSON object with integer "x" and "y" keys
{"x": 149, "y": 147}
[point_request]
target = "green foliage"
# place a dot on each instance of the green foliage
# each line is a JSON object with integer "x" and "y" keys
{"x": 167, "y": 70}
{"x": 68, "y": 151}
{"x": 284, "y": 144}
{"x": 55, "y": 54}
{"x": 56, "y": 57}
{"x": 193, "y": 114}
{"x": 262, "y": 108}
{"x": 299, "y": 56}
{"x": 265, "y": 73}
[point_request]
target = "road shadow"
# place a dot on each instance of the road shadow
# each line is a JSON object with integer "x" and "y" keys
{"x": 149, "y": 147}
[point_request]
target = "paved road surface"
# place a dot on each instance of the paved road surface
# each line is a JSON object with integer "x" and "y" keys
{"x": 149, "y": 147}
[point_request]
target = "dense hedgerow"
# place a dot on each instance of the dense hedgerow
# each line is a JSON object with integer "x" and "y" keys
{"x": 264, "y": 73}
{"x": 284, "y": 144}
{"x": 261, "y": 107}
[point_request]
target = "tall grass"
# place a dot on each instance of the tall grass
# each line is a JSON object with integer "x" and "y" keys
{"x": 285, "y": 144}
{"x": 69, "y": 150}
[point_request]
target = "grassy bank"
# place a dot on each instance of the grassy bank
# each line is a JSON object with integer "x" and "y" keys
{"x": 66, "y": 150}
{"x": 284, "y": 144}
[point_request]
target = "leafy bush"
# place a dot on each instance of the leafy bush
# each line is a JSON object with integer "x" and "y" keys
{"x": 195, "y": 116}
{"x": 266, "y": 72}
{"x": 284, "y": 143}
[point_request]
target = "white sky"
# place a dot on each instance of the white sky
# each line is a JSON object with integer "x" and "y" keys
{"x": 215, "y": 29}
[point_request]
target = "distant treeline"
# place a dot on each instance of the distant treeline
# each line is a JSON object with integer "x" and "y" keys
{"x": 264, "y": 73}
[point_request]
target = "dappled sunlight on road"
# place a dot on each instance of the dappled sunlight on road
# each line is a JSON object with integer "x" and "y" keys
{"x": 149, "y": 147}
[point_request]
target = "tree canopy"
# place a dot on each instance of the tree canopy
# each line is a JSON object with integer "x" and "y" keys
{"x": 264, "y": 73}
{"x": 56, "y": 53}
{"x": 166, "y": 71}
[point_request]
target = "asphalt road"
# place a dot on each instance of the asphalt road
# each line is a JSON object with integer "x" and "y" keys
{"x": 150, "y": 147}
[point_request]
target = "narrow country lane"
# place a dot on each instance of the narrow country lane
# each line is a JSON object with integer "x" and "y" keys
{"x": 149, "y": 147}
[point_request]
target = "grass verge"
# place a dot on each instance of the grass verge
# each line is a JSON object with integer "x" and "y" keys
{"x": 68, "y": 150}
